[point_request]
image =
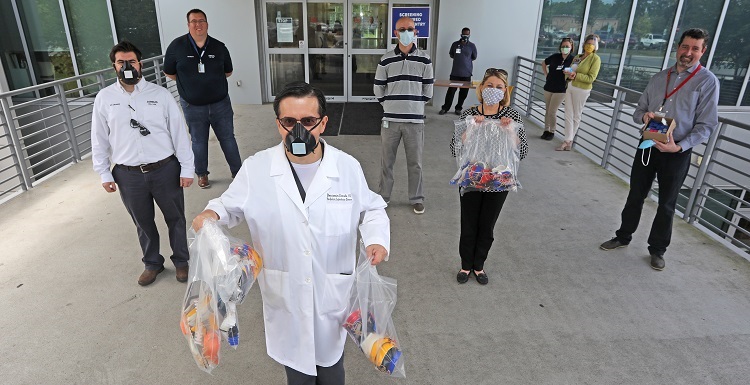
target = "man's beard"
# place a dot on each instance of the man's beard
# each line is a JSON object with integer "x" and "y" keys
{"x": 685, "y": 61}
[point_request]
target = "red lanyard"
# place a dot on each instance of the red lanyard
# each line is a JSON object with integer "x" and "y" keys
{"x": 667, "y": 95}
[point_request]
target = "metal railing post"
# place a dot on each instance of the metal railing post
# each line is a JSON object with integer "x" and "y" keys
{"x": 612, "y": 127}
{"x": 531, "y": 90}
{"x": 516, "y": 75}
{"x": 157, "y": 71}
{"x": 691, "y": 209}
{"x": 16, "y": 149}
{"x": 60, "y": 89}
{"x": 102, "y": 82}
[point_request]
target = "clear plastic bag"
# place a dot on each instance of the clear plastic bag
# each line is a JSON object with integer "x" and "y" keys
{"x": 222, "y": 271}
{"x": 487, "y": 155}
{"x": 374, "y": 334}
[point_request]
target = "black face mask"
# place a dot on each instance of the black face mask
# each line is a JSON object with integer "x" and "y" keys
{"x": 299, "y": 141}
{"x": 128, "y": 74}
{"x": 464, "y": 38}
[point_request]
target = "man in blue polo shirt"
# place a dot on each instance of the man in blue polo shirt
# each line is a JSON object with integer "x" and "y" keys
{"x": 201, "y": 65}
{"x": 463, "y": 52}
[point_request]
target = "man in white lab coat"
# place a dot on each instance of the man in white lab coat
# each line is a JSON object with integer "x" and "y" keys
{"x": 304, "y": 201}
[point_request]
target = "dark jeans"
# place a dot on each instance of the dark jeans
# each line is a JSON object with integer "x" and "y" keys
{"x": 332, "y": 375}
{"x": 671, "y": 170}
{"x": 452, "y": 91}
{"x": 139, "y": 191}
{"x": 479, "y": 213}
{"x": 220, "y": 116}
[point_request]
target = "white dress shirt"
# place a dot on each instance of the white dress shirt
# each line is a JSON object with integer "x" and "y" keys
{"x": 309, "y": 248}
{"x": 113, "y": 139}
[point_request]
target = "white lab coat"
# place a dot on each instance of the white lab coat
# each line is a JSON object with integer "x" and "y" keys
{"x": 309, "y": 249}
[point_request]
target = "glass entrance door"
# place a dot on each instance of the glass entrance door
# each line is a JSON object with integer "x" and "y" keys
{"x": 327, "y": 48}
{"x": 368, "y": 35}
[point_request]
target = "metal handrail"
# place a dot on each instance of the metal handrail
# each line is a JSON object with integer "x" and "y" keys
{"x": 716, "y": 194}
{"x": 40, "y": 136}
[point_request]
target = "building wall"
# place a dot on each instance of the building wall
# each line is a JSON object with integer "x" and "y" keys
{"x": 234, "y": 23}
{"x": 501, "y": 30}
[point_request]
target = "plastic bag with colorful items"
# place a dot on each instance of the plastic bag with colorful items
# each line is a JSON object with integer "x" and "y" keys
{"x": 222, "y": 271}
{"x": 487, "y": 155}
{"x": 374, "y": 333}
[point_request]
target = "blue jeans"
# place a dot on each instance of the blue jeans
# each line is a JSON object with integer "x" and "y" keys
{"x": 220, "y": 116}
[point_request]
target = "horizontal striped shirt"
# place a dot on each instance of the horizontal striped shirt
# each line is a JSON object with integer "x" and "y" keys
{"x": 403, "y": 84}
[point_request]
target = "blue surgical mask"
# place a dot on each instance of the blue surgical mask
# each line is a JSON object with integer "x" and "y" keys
{"x": 406, "y": 37}
{"x": 646, "y": 144}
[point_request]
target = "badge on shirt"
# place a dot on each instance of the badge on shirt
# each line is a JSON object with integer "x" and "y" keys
{"x": 201, "y": 68}
{"x": 560, "y": 67}
{"x": 458, "y": 50}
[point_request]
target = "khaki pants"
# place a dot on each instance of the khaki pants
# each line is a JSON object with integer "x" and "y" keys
{"x": 413, "y": 136}
{"x": 552, "y": 101}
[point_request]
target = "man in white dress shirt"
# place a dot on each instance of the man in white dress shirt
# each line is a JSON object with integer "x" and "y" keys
{"x": 138, "y": 127}
{"x": 304, "y": 202}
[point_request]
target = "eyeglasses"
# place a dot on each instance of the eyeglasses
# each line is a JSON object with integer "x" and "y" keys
{"x": 308, "y": 121}
{"x": 495, "y": 71}
{"x": 144, "y": 131}
{"x": 198, "y": 22}
{"x": 402, "y": 29}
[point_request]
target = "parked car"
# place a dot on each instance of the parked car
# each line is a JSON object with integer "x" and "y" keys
{"x": 619, "y": 40}
{"x": 652, "y": 40}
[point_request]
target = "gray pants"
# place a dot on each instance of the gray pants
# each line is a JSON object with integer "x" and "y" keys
{"x": 413, "y": 135}
{"x": 332, "y": 375}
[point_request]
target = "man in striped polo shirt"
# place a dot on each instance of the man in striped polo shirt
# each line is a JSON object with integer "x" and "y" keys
{"x": 403, "y": 84}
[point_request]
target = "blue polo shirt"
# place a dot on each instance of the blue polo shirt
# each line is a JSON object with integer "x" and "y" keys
{"x": 182, "y": 58}
{"x": 463, "y": 62}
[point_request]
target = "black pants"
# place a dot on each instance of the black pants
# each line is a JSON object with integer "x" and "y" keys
{"x": 452, "y": 91}
{"x": 479, "y": 213}
{"x": 139, "y": 191}
{"x": 671, "y": 170}
{"x": 332, "y": 375}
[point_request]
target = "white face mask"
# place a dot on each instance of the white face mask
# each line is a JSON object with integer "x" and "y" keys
{"x": 565, "y": 50}
{"x": 406, "y": 37}
{"x": 492, "y": 96}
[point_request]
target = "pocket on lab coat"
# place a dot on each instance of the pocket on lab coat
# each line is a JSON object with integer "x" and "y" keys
{"x": 275, "y": 289}
{"x": 338, "y": 218}
{"x": 336, "y": 294}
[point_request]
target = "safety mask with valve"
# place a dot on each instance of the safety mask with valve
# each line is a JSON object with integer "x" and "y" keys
{"x": 128, "y": 74}
{"x": 299, "y": 141}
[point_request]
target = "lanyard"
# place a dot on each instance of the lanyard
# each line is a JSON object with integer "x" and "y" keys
{"x": 666, "y": 87}
{"x": 301, "y": 189}
{"x": 195, "y": 47}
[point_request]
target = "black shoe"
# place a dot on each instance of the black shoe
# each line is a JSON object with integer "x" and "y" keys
{"x": 458, "y": 111}
{"x": 548, "y": 135}
{"x": 612, "y": 244}
{"x": 482, "y": 278}
{"x": 462, "y": 277}
{"x": 442, "y": 112}
{"x": 657, "y": 262}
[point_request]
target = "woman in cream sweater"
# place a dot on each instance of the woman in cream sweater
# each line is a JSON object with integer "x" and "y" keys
{"x": 582, "y": 74}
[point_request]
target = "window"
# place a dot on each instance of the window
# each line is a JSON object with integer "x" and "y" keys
{"x": 732, "y": 54}
{"x": 135, "y": 21}
{"x": 608, "y": 18}
{"x": 559, "y": 20}
{"x": 90, "y": 32}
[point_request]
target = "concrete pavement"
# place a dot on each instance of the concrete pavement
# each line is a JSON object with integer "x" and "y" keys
{"x": 557, "y": 309}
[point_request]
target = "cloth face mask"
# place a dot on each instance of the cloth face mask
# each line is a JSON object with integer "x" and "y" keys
{"x": 492, "y": 96}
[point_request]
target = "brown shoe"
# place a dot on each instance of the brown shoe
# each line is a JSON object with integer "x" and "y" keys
{"x": 149, "y": 276}
{"x": 182, "y": 273}
{"x": 203, "y": 181}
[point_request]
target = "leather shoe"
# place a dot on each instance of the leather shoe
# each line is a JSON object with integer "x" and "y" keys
{"x": 442, "y": 112}
{"x": 657, "y": 262}
{"x": 203, "y": 181}
{"x": 463, "y": 277}
{"x": 482, "y": 278}
{"x": 612, "y": 244}
{"x": 182, "y": 273}
{"x": 149, "y": 276}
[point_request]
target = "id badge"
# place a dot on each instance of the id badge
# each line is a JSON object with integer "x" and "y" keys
{"x": 385, "y": 124}
{"x": 560, "y": 68}
{"x": 201, "y": 68}
{"x": 458, "y": 50}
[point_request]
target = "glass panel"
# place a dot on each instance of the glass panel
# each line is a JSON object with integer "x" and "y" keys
{"x": 324, "y": 25}
{"x": 746, "y": 97}
{"x": 651, "y": 28}
{"x": 732, "y": 54}
{"x": 327, "y": 73}
{"x": 559, "y": 19}
{"x": 697, "y": 13}
{"x": 14, "y": 60}
{"x": 91, "y": 33}
{"x": 363, "y": 74}
{"x": 286, "y": 69}
{"x": 607, "y": 19}
{"x": 282, "y": 21}
{"x": 142, "y": 30}
{"x": 369, "y": 29}
{"x": 45, "y": 35}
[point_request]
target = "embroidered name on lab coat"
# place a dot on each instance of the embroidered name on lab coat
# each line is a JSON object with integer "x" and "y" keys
{"x": 339, "y": 197}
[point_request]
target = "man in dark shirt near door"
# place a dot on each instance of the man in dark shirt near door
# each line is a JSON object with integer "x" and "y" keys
{"x": 463, "y": 52}
{"x": 200, "y": 64}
